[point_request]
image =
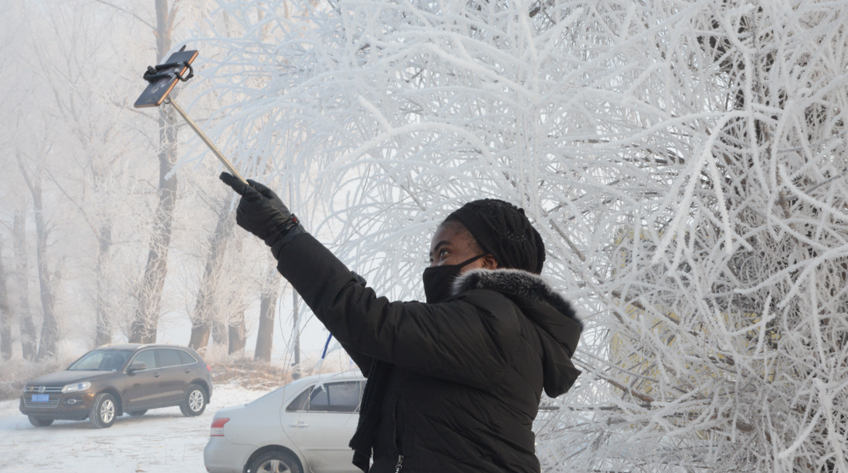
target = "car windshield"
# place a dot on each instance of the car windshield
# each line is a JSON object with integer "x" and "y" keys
{"x": 101, "y": 360}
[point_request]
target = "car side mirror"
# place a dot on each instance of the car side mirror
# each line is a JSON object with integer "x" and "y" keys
{"x": 136, "y": 366}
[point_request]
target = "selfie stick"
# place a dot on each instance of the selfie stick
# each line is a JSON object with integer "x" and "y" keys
{"x": 205, "y": 140}
{"x": 162, "y": 79}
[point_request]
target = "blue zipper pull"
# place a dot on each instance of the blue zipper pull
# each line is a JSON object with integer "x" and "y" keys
{"x": 399, "y": 464}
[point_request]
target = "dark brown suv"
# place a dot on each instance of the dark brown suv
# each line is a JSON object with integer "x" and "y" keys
{"x": 113, "y": 379}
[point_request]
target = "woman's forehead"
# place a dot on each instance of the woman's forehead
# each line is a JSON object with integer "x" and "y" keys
{"x": 453, "y": 232}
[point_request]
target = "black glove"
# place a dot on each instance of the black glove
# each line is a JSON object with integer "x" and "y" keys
{"x": 260, "y": 211}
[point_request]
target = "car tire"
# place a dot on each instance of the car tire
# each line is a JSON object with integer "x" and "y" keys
{"x": 275, "y": 461}
{"x": 137, "y": 413}
{"x": 40, "y": 422}
{"x": 194, "y": 402}
{"x": 103, "y": 411}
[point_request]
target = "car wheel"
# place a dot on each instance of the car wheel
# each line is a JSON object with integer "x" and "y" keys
{"x": 195, "y": 401}
{"x": 103, "y": 411}
{"x": 40, "y": 422}
{"x": 137, "y": 413}
{"x": 275, "y": 462}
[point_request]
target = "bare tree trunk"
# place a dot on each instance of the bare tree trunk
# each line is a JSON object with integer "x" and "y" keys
{"x": 29, "y": 336}
{"x": 103, "y": 325}
{"x": 238, "y": 331}
{"x": 268, "y": 303}
{"x": 49, "y": 327}
{"x": 199, "y": 339}
{"x": 200, "y": 336}
{"x": 204, "y": 309}
{"x": 146, "y": 318}
{"x": 5, "y": 313}
{"x": 238, "y": 335}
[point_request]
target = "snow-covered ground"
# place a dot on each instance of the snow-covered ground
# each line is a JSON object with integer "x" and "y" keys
{"x": 161, "y": 441}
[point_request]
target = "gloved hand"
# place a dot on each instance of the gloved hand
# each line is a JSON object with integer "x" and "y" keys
{"x": 260, "y": 210}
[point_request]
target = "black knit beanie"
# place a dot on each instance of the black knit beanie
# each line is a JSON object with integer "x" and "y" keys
{"x": 502, "y": 230}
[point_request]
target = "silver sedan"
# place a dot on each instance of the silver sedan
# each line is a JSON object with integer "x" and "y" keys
{"x": 302, "y": 427}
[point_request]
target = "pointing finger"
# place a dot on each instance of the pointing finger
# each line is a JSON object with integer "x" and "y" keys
{"x": 240, "y": 187}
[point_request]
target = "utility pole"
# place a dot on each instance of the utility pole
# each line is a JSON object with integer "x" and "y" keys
{"x": 295, "y": 326}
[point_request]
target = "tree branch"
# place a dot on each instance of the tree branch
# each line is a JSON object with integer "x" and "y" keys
{"x": 116, "y": 7}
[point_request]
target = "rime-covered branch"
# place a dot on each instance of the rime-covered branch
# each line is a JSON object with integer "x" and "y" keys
{"x": 684, "y": 162}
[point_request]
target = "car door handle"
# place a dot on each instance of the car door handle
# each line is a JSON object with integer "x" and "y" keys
{"x": 187, "y": 370}
{"x": 155, "y": 375}
{"x": 299, "y": 425}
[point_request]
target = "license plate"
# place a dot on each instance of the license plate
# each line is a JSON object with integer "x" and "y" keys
{"x": 40, "y": 398}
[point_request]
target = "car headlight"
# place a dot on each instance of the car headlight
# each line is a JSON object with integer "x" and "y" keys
{"x": 76, "y": 387}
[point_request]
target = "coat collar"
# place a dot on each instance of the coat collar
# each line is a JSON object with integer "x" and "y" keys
{"x": 517, "y": 282}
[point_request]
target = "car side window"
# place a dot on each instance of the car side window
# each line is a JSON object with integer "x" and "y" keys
{"x": 113, "y": 361}
{"x": 320, "y": 399}
{"x": 344, "y": 397}
{"x": 168, "y": 358}
{"x": 330, "y": 397}
{"x": 146, "y": 357}
{"x": 185, "y": 358}
{"x": 300, "y": 402}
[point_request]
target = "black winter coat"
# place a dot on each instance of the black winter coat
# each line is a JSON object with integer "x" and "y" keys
{"x": 467, "y": 373}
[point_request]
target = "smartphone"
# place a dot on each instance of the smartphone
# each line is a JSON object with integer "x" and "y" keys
{"x": 158, "y": 90}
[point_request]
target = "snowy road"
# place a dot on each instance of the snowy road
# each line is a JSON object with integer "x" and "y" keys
{"x": 161, "y": 441}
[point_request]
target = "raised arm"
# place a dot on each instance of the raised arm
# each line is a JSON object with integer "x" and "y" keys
{"x": 455, "y": 341}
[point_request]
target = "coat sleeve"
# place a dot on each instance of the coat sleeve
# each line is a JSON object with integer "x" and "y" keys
{"x": 453, "y": 340}
{"x": 362, "y": 361}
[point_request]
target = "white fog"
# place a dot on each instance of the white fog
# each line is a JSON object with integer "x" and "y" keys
{"x": 684, "y": 162}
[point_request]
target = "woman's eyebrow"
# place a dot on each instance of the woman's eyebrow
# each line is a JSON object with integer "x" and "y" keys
{"x": 439, "y": 245}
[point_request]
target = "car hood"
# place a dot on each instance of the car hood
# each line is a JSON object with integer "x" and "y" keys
{"x": 66, "y": 377}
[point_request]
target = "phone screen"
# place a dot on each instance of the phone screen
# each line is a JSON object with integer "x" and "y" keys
{"x": 156, "y": 91}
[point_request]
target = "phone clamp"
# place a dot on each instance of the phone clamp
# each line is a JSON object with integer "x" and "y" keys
{"x": 160, "y": 71}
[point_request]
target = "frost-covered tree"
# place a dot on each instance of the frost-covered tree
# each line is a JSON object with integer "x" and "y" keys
{"x": 684, "y": 161}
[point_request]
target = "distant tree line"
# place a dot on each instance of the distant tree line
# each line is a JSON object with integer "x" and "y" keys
{"x": 89, "y": 224}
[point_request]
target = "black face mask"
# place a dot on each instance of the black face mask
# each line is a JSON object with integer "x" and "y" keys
{"x": 438, "y": 280}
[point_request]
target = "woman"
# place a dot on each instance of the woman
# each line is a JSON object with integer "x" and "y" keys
{"x": 454, "y": 383}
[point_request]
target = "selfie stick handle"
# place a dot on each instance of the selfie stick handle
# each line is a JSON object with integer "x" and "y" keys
{"x": 206, "y": 140}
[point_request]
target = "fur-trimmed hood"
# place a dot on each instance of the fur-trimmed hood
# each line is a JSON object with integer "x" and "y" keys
{"x": 542, "y": 305}
{"x": 518, "y": 282}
